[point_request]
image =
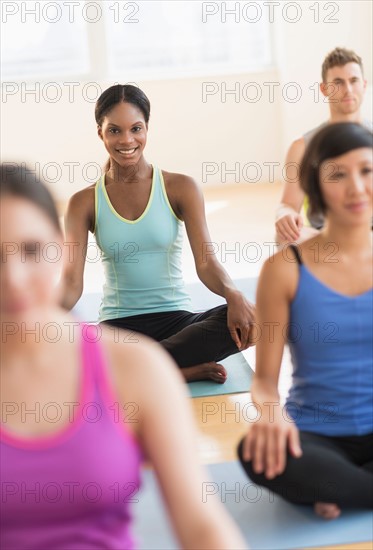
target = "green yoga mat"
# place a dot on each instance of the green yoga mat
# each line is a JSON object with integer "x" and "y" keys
{"x": 239, "y": 379}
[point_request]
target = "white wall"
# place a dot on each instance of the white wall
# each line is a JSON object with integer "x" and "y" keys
{"x": 185, "y": 131}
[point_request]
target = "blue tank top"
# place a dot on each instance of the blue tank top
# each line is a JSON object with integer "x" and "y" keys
{"x": 141, "y": 258}
{"x": 330, "y": 340}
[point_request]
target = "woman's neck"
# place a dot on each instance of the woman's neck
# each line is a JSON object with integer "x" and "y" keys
{"x": 131, "y": 173}
{"x": 352, "y": 241}
{"x": 34, "y": 334}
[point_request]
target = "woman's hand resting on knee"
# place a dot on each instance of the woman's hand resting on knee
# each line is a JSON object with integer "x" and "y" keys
{"x": 240, "y": 319}
{"x": 267, "y": 442}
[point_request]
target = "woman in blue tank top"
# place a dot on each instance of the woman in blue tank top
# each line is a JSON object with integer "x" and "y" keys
{"x": 318, "y": 448}
{"x": 136, "y": 212}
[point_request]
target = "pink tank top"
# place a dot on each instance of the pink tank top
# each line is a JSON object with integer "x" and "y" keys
{"x": 72, "y": 490}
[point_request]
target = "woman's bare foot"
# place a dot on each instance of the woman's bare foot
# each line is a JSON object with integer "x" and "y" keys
{"x": 205, "y": 371}
{"x": 327, "y": 510}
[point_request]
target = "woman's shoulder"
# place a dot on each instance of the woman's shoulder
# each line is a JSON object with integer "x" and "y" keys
{"x": 182, "y": 189}
{"x": 282, "y": 269}
{"x": 295, "y": 253}
{"x": 137, "y": 364}
{"x": 82, "y": 200}
{"x": 183, "y": 192}
{"x": 315, "y": 249}
{"x": 280, "y": 272}
{"x": 282, "y": 259}
{"x": 85, "y": 193}
{"x": 81, "y": 208}
{"x": 176, "y": 179}
{"x": 134, "y": 354}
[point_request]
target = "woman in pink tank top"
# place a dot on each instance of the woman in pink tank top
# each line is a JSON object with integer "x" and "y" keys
{"x": 79, "y": 407}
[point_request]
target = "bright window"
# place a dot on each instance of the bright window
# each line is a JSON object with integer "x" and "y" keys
{"x": 167, "y": 39}
{"x": 130, "y": 40}
{"x": 42, "y": 39}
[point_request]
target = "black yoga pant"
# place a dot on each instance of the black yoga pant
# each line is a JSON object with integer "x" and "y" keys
{"x": 332, "y": 469}
{"x": 191, "y": 338}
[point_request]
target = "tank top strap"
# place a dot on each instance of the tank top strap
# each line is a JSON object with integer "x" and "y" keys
{"x": 99, "y": 197}
{"x": 158, "y": 197}
{"x": 96, "y": 363}
{"x": 162, "y": 199}
{"x": 296, "y": 252}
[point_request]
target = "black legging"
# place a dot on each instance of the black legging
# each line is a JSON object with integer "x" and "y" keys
{"x": 335, "y": 470}
{"x": 191, "y": 338}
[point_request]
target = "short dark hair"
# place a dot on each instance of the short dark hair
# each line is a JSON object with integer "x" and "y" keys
{"x": 338, "y": 58}
{"x": 18, "y": 180}
{"x": 331, "y": 141}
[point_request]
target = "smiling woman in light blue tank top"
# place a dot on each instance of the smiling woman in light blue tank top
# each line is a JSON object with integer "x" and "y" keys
{"x": 137, "y": 213}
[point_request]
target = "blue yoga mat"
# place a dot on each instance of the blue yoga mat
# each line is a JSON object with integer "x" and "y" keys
{"x": 238, "y": 379}
{"x": 266, "y": 521}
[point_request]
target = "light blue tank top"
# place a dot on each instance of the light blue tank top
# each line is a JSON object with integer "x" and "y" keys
{"x": 141, "y": 258}
{"x": 330, "y": 340}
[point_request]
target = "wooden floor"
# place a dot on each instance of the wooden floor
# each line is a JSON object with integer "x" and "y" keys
{"x": 222, "y": 423}
{"x": 242, "y": 213}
